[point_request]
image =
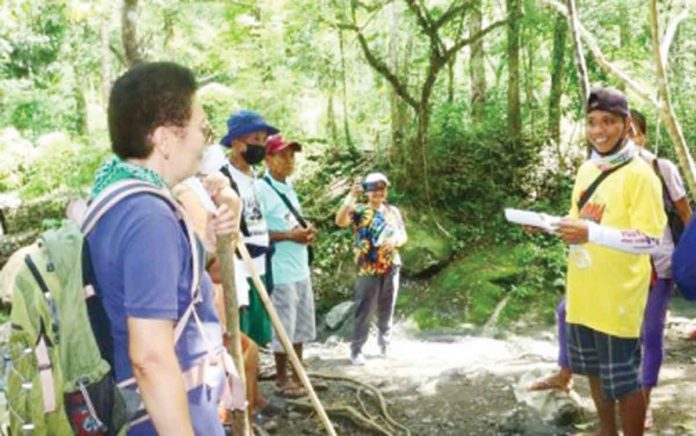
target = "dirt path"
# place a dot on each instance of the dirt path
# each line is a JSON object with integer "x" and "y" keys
{"x": 474, "y": 385}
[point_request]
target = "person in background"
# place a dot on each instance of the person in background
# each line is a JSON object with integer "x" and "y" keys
{"x": 379, "y": 232}
{"x": 246, "y": 137}
{"x": 291, "y": 237}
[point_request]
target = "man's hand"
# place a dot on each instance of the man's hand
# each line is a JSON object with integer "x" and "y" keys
{"x": 573, "y": 231}
{"x": 302, "y": 236}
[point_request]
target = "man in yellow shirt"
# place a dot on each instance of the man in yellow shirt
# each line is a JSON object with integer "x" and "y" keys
{"x": 616, "y": 219}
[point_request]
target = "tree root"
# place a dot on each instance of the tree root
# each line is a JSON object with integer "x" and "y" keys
{"x": 390, "y": 422}
{"x": 347, "y": 412}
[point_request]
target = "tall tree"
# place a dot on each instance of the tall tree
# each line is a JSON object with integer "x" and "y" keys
{"x": 129, "y": 33}
{"x": 477, "y": 65}
{"x": 439, "y": 54}
{"x": 560, "y": 32}
{"x": 514, "y": 113}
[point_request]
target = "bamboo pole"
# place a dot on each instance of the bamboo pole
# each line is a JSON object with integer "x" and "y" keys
{"x": 283, "y": 337}
{"x": 240, "y": 418}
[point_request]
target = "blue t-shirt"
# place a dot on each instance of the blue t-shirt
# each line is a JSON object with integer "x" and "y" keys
{"x": 290, "y": 259}
{"x": 142, "y": 265}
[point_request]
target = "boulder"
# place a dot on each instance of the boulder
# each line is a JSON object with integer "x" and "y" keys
{"x": 337, "y": 316}
{"x": 30, "y": 215}
{"x": 9, "y": 244}
{"x": 427, "y": 251}
{"x": 552, "y": 406}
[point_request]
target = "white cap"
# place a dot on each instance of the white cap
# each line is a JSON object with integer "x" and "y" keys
{"x": 376, "y": 177}
{"x": 213, "y": 159}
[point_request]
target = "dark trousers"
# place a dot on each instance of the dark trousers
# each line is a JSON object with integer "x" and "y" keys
{"x": 374, "y": 292}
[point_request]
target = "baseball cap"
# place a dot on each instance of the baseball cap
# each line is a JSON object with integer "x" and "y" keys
{"x": 609, "y": 100}
{"x": 376, "y": 177}
{"x": 276, "y": 143}
{"x": 245, "y": 122}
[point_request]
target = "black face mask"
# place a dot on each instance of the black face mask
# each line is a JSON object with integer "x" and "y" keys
{"x": 254, "y": 153}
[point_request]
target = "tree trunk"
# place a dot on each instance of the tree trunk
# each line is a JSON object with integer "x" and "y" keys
{"x": 624, "y": 23}
{"x": 666, "y": 111}
{"x": 129, "y": 34}
{"x": 106, "y": 56}
{"x": 344, "y": 90}
{"x": 450, "y": 79}
{"x": 331, "y": 127}
{"x": 395, "y": 103}
{"x": 560, "y": 32}
{"x": 477, "y": 66}
{"x": 514, "y": 116}
{"x": 579, "y": 55}
{"x": 529, "y": 81}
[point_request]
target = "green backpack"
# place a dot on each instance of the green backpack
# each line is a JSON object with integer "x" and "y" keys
{"x": 57, "y": 382}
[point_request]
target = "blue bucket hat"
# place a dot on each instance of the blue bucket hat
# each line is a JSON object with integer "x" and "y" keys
{"x": 245, "y": 122}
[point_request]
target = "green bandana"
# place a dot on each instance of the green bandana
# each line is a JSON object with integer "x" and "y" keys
{"x": 114, "y": 170}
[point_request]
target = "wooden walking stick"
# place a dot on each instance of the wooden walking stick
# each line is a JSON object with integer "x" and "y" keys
{"x": 240, "y": 418}
{"x": 283, "y": 337}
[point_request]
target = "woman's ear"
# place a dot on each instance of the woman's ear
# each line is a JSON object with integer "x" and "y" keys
{"x": 161, "y": 139}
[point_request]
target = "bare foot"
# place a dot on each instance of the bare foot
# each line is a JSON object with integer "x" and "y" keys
{"x": 648, "y": 419}
{"x": 560, "y": 381}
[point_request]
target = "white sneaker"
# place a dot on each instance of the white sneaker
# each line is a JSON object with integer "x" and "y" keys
{"x": 358, "y": 359}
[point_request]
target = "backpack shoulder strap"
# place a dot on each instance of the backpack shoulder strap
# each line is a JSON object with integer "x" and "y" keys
{"x": 242, "y": 221}
{"x": 585, "y": 196}
{"x": 287, "y": 202}
{"x": 658, "y": 172}
{"x": 121, "y": 190}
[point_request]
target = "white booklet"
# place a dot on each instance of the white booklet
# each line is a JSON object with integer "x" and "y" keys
{"x": 544, "y": 221}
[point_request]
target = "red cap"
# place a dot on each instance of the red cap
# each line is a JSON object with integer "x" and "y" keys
{"x": 275, "y": 143}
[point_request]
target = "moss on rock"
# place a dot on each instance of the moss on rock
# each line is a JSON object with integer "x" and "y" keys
{"x": 470, "y": 289}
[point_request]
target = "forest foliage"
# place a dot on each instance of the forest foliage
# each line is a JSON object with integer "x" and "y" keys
{"x": 469, "y": 105}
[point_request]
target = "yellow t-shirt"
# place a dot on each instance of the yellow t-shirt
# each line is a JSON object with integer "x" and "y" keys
{"x": 610, "y": 295}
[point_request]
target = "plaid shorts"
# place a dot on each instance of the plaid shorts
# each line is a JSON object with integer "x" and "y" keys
{"x": 294, "y": 303}
{"x": 615, "y": 360}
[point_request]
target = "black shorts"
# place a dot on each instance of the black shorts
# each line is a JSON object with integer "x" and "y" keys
{"x": 616, "y": 361}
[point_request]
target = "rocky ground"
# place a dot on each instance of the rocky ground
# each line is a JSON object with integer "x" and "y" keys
{"x": 475, "y": 384}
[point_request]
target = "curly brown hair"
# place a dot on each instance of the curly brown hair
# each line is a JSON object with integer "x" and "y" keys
{"x": 148, "y": 96}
